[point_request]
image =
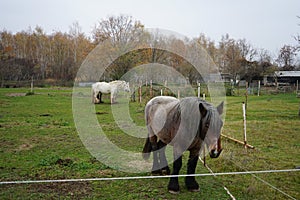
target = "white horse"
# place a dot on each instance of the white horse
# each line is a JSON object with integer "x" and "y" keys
{"x": 111, "y": 88}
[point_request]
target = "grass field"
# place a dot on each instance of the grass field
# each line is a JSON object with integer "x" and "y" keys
{"x": 38, "y": 140}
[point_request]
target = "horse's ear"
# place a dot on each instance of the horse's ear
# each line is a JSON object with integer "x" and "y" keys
{"x": 202, "y": 109}
{"x": 220, "y": 108}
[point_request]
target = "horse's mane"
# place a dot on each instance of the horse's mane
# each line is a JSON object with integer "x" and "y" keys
{"x": 117, "y": 82}
{"x": 189, "y": 110}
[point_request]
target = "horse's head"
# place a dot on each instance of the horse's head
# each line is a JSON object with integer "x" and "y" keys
{"x": 210, "y": 128}
{"x": 126, "y": 87}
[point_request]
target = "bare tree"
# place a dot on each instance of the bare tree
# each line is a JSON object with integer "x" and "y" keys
{"x": 287, "y": 57}
{"x": 246, "y": 50}
{"x": 121, "y": 29}
{"x": 230, "y": 54}
{"x": 123, "y": 33}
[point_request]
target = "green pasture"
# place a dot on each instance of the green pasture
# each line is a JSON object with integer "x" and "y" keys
{"x": 39, "y": 141}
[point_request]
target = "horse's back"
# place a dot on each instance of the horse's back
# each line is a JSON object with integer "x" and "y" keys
{"x": 103, "y": 87}
{"x": 98, "y": 84}
{"x": 161, "y": 100}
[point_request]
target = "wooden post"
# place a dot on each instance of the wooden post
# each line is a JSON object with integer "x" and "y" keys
{"x": 140, "y": 94}
{"x": 231, "y": 90}
{"x": 237, "y": 141}
{"x": 151, "y": 89}
{"x": 238, "y": 89}
{"x": 246, "y": 94}
{"x": 245, "y": 127}
{"x": 178, "y": 94}
{"x": 133, "y": 94}
{"x": 165, "y": 91}
{"x": 297, "y": 85}
{"x": 31, "y": 85}
{"x": 161, "y": 92}
{"x": 258, "y": 88}
{"x": 204, "y": 96}
{"x": 199, "y": 90}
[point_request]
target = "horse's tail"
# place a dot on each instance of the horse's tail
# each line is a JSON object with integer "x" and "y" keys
{"x": 147, "y": 149}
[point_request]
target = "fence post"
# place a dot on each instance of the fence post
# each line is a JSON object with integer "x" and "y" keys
{"x": 245, "y": 128}
{"x": 246, "y": 94}
{"x": 297, "y": 86}
{"x": 258, "y": 89}
{"x": 133, "y": 94}
{"x": 31, "y": 85}
{"x": 140, "y": 91}
{"x": 151, "y": 89}
{"x": 199, "y": 90}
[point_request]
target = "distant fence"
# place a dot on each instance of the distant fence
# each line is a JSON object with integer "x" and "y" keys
{"x": 258, "y": 89}
{"x": 36, "y": 83}
{"x": 231, "y": 90}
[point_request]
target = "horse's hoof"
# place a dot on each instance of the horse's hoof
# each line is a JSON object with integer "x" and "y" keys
{"x": 173, "y": 186}
{"x": 174, "y": 192}
{"x": 165, "y": 172}
{"x": 191, "y": 184}
{"x": 156, "y": 172}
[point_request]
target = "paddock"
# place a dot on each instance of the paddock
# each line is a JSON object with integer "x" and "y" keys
{"x": 42, "y": 155}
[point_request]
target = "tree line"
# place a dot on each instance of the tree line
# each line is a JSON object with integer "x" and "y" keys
{"x": 57, "y": 56}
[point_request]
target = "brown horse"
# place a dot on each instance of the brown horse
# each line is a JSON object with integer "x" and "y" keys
{"x": 185, "y": 124}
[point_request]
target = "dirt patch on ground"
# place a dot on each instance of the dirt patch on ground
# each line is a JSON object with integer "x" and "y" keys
{"x": 16, "y": 94}
{"x": 68, "y": 190}
{"x": 101, "y": 113}
{"x": 72, "y": 189}
{"x": 24, "y": 147}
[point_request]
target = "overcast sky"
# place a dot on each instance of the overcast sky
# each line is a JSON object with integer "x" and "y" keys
{"x": 267, "y": 24}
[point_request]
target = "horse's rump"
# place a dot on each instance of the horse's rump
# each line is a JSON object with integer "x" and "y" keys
{"x": 157, "y": 113}
{"x": 103, "y": 87}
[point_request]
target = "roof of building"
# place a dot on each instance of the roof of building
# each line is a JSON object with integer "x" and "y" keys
{"x": 287, "y": 73}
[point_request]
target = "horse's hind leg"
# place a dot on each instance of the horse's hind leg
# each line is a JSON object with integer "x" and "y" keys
{"x": 154, "y": 146}
{"x": 190, "y": 181}
{"x": 99, "y": 96}
{"x": 94, "y": 97}
{"x": 162, "y": 158}
{"x": 173, "y": 186}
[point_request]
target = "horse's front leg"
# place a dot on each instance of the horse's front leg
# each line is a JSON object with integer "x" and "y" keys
{"x": 173, "y": 186}
{"x": 112, "y": 98}
{"x": 190, "y": 181}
